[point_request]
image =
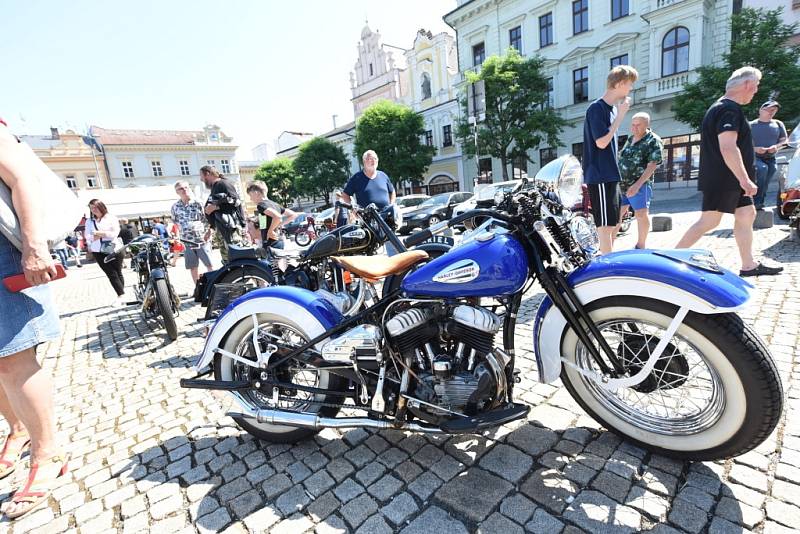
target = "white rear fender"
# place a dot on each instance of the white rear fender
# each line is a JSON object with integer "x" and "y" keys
{"x": 299, "y": 315}
{"x": 550, "y": 324}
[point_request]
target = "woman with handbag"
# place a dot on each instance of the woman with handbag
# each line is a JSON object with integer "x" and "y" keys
{"x": 102, "y": 235}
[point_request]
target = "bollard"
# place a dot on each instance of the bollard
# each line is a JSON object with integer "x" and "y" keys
{"x": 661, "y": 223}
{"x": 764, "y": 219}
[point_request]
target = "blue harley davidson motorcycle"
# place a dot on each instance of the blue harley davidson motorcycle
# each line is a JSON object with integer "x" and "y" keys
{"x": 648, "y": 342}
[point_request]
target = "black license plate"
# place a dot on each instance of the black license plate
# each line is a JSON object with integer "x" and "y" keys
{"x": 441, "y": 240}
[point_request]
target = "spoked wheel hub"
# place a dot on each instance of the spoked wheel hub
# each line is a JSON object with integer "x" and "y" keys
{"x": 668, "y": 373}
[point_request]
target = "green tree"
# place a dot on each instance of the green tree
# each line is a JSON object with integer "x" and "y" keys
{"x": 279, "y": 175}
{"x": 760, "y": 39}
{"x": 321, "y": 167}
{"x": 518, "y": 117}
{"x": 394, "y": 132}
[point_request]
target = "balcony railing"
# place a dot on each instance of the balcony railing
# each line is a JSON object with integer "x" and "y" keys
{"x": 669, "y": 85}
{"x": 665, "y": 3}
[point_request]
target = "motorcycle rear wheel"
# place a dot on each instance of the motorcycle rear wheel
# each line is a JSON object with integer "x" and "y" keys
{"x": 165, "y": 308}
{"x": 239, "y": 342}
{"x": 715, "y": 392}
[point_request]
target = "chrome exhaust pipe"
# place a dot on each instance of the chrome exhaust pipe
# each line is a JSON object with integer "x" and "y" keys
{"x": 308, "y": 420}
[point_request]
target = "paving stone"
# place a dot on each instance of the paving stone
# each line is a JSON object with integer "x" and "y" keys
{"x": 374, "y": 525}
{"x": 467, "y": 449}
{"x": 276, "y": 485}
{"x": 647, "y": 502}
{"x": 323, "y": 506}
{"x": 358, "y": 510}
{"x": 739, "y": 512}
{"x": 550, "y": 489}
{"x": 459, "y": 493}
{"x": 697, "y": 497}
{"x": 332, "y": 525}
{"x": 497, "y": 523}
{"x": 749, "y": 477}
{"x": 400, "y": 508}
{"x": 166, "y": 507}
{"x": 261, "y": 520}
{"x": 544, "y": 522}
{"x": 612, "y": 485}
{"x": 579, "y": 473}
{"x": 340, "y": 469}
{"x": 385, "y": 488}
{"x": 532, "y": 439}
{"x": 507, "y": 462}
{"x": 785, "y": 514}
{"x": 434, "y": 519}
{"x": 259, "y": 474}
{"x": 293, "y": 500}
{"x": 424, "y": 485}
{"x": 518, "y": 508}
{"x": 205, "y": 506}
{"x": 298, "y": 472}
{"x": 596, "y": 513}
{"x": 233, "y": 489}
{"x": 233, "y": 471}
{"x": 687, "y": 516}
{"x": 348, "y": 490}
{"x": 370, "y": 473}
{"x": 214, "y": 522}
{"x": 319, "y": 483}
{"x": 408, "y": 471}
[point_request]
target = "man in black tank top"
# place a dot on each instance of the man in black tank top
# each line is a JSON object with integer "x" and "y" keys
{"x": 727, "y": 170}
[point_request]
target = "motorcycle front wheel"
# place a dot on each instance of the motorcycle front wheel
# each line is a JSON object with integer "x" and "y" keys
{"x": 302, "y": 239}
{"x": 714, "y": 393}
{"x": 165, "y": 308}
{"x": 271, "y": 328}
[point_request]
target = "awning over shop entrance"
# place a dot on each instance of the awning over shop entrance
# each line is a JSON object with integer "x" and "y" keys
{"x": 134, "y": 202}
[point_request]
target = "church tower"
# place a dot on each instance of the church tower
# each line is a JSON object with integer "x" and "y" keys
{"x": 376, "y": 77}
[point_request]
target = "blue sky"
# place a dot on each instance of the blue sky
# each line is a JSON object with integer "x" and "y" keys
{"x": 256, "y": 68}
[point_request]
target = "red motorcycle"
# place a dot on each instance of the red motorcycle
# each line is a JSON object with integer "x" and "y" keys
{"x": 584, "y": 207}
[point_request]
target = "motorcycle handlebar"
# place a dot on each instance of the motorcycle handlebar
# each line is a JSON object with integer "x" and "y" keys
{"x": 424, "y": 235}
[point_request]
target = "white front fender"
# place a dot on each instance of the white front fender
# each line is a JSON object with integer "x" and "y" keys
{"x": 550, "y": 324}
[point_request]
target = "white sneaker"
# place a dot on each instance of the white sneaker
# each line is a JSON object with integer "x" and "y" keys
{"x": 120, "y": 302}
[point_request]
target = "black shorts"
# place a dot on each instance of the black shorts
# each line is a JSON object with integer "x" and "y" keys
{"x": 605, "y": 203}
{"x": 725, "y": 201}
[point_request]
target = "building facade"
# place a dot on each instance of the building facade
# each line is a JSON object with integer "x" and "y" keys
{"x": 580, "y": 40}
{"x": 424, "y": 81}
{"x": 79, "y": 163}
{"x": 153, "y": 158}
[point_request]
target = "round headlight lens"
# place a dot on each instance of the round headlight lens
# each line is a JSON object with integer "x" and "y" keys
{"x": 570, "y": 181}
{"x": 499, "y": 197}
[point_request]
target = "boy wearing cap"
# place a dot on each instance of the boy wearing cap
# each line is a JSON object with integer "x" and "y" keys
{"x": 768, "y": 136}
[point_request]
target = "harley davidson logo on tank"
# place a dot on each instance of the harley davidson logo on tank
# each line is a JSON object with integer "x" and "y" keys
{"x": 459, "y": 272}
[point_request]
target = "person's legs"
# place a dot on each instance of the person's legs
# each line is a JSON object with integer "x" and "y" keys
{"x": 772, "y": 168}
{"x": 62, "y": 257}
{"x": 642, "y": 216}
{"x": 113, "y": 271}
{"x": 605, "y": 199}
{"x": 708, "y": 221}
{"x": 190, "y": 261}
{"x": 762, "y": 171}
{"x": 17, "y": 437}
{"x": 29, "y": 392}
{"x": 743, "y": 233}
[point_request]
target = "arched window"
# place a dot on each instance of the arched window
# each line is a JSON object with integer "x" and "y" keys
{"x": 675, "y": 51}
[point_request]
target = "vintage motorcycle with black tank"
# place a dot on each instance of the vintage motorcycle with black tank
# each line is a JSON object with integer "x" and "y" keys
{"x": 312, "y": 268}
{"x": 648, "y": 342}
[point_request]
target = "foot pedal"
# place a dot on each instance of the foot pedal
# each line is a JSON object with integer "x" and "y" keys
{"x": 497, "y": 417}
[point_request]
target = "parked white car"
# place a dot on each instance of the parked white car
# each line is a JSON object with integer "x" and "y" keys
{"x": 408, "y": 203}
{"x": 482, "y": 192}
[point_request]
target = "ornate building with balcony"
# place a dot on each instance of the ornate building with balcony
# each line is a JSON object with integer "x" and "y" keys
{"x": 581, "y": 40}
{"x": 77, "y": 160}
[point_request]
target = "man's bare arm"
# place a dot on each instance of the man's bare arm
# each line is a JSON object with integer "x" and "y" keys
{"x": 733, "y": 159}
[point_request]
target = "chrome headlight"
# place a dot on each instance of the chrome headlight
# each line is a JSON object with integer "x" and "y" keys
{"x": 570, "y": 182}
{"x": 585, "y": 234}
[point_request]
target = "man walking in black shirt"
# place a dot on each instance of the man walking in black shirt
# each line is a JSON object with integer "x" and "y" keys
{"x": 223, "y": 209}
{"x": 727, "y": 170}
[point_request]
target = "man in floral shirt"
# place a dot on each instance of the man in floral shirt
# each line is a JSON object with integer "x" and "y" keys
{"x": 638, "y": 160}
{"x": 188, "y": 214}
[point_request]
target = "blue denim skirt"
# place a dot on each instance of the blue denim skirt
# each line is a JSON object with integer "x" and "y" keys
{"x": 27, "y": 318}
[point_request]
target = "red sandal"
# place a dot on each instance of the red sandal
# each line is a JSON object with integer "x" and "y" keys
{"x": 35, "y": 491}
{"x": 8, "y": 466}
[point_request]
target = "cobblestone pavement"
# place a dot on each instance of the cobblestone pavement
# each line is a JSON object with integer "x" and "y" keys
{"x": 148, "y": 455}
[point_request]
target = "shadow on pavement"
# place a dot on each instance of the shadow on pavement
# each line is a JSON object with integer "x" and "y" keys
{"x": 539, "y": 477}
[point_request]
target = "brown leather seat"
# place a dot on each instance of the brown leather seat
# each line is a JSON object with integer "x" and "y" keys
{"x": 375, "y": 267}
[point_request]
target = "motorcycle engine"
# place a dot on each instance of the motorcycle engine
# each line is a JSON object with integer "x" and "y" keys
{"x": 452, "y": 352}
